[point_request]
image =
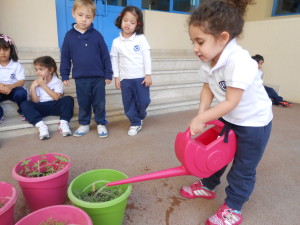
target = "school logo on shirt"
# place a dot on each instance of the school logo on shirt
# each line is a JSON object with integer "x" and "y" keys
{"x": 136, "y": 48}
{"x": 222, "y": 85}
{"x": 13, "y": 76}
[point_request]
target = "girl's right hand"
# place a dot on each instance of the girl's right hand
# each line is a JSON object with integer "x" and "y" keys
{"x": 66, "y": 83}
{"x": 118, "y": 83}
{"x": 197, "y": 126}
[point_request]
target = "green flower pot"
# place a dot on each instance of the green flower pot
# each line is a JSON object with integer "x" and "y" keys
{"x": 103, "y": 213}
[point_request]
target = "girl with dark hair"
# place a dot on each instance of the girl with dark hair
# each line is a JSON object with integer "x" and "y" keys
{"x": 273, "y": 95}
{"x": 46, "y": 99}
{"x": 12, "y": 77}
{"x": 230, "y": 76}
{"x": 131, "y": 63}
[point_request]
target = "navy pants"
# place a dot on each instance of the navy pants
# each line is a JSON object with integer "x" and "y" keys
{"x": 35, "y": 112}
{"x": 18, "y": 95}
{"x": 91, "y": 94}
{"x": 251, "y": 144}
{"x": 136, "y": 99}
{"x": 273, "y": 95}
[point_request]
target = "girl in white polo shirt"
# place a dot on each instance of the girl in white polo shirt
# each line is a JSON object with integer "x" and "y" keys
{"x": 131, "y": 63}
{"x": 12, "y": 77}
{"x": 46, "y": 99}
{"x": 230, "y": 76}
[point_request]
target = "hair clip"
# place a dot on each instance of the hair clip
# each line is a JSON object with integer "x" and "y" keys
{"x": 7, "y": 39}
{"x": 120, "y": 15}
{"x": 139, "y": 23}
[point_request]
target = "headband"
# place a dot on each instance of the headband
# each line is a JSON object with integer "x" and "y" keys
{"x": 7, "y": 39}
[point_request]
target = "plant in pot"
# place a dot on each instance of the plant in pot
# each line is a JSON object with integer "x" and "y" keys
{"x": 105, "y": 205}
{"x": 43, "y": 179}
{"x": 57, "y": 215}
{"x": 8, "y": 198}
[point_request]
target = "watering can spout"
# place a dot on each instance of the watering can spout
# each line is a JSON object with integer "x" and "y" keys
{"x": 172, "y": 172}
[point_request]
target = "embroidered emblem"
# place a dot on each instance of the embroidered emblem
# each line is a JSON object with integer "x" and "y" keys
{"x": 222, "y": 85}
{"x": 136, "y": 48}
{"x": 13, "y": 76}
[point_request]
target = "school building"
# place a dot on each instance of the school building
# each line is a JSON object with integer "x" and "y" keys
{"x": 271, "y": 29}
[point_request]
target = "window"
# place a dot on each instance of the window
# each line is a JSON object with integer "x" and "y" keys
{"x": 286, "y": 7}
{"x": 184, "y": 6}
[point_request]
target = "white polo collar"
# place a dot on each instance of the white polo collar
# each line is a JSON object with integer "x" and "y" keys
{"x": 129, "y": 39}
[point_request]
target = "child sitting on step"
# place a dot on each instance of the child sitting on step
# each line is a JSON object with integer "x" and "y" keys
{"x": 46, "y": 99}
{"x": 12, "y": 77}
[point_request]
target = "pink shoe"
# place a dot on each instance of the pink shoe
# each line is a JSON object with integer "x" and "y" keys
{"x": 225, "y": 216}
{"x": 197, "y": 190}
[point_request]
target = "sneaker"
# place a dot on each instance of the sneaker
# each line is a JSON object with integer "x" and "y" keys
{"x": 1, "y": 119}
{"x": 133, "y": 130}
{"x": 284, "y": 104}
{"x": 197, "y": 190}
{"x": 44, "y": 133}
{"x": 64, "y": 129}
{"x": 225, "y": 216}
{"x": 82, "y": 130}
{"x": 23, "y": 118}
{"x": 102, "y": 131}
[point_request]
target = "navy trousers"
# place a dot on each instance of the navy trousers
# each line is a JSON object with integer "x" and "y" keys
{"x": 18, "y": 95}
{"x": 91, "y": 93}
{"x": 35, "y": 112}
{"x": 136, "y": 99}
{"x": 251, "y": 144}
{"x": 273, "y": 95}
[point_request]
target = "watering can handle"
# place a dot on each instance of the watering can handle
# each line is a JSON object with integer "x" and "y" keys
{"x": 213, "y": 122}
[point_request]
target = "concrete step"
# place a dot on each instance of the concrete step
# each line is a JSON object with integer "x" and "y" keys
{"x": 13, "y": 126}
{"x": 114, "y": 98}
{"x": 158, "y": 64}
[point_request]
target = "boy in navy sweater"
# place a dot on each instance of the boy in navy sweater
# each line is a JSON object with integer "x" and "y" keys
{"x": 84, "y": 49}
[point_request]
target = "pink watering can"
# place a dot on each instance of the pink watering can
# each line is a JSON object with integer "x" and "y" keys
{"x": 200, "y": 157}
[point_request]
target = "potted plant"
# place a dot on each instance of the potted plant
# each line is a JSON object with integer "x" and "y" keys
{"x": 8, "y": 198}
{"x": 105, "y": 205}
{"x": 43, "y": 179}
{"x": 57, "y": 215}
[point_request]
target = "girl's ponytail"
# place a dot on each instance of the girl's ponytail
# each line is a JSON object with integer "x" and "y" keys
{"x": 241, "y": 5}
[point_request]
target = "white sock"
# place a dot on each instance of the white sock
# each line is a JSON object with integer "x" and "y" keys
{"x": 41, "y": 123}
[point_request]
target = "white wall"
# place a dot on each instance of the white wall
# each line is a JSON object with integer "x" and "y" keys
{"x": 31, "y": 23}
{"x": 278, "y": 41}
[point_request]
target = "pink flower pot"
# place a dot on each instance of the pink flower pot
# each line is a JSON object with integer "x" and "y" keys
{"x": 40, "y": 192}
{"x": 62, "y": 213}
{"x": 8, "y": 196}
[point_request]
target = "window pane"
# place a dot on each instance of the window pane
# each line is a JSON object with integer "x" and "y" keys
{"x": 162, "y": 5}
{"x": 284, "y": 7}
{"x": 117, "y": 2}
{"x": 184, "y": 5}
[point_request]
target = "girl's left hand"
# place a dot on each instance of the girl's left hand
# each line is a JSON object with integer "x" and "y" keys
{"x": 147, "y": 81}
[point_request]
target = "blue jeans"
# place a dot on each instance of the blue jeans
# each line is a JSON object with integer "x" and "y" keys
{"x": 136, "y": 99}
{"x": 91, "y": 93}
{"x": 251, "y": 144}
{"x": 35, "y": 112}
{"x": 18, "y": 95}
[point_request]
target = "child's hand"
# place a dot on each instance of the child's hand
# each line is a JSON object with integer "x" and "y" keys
{"x": 66, "y": 83}
{"x": 118, "y": 83}
{"x": 107, "y": 81}
{"x": 41, "y": 81}
{"x": 6, "y": 89}
{"x": 34, "y": 84}
{"x": 147, "y": 81}
{"x": 196, "y": 126}
{"x": 1, "y": 88}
